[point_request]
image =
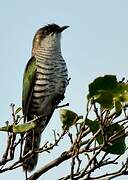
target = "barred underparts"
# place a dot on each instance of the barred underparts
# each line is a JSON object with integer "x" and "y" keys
{"x": 47, "y": 86}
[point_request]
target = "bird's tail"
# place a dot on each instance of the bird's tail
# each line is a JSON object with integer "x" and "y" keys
{"x": 32, "y": 143}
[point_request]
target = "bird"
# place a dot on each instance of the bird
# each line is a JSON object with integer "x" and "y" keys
{"x": 44, "y": 84}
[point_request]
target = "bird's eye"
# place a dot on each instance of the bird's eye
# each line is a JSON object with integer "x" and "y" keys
{"x": 44, "y": 33}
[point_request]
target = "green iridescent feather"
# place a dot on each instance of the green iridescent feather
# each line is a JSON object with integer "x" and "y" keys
{"x": 28, "y": 83}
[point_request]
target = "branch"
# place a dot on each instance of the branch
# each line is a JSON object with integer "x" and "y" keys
{"x": 63, "y": 157}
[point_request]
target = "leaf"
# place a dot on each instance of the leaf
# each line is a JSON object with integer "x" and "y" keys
{"x": 18, "y": 110}
{"x": 68, "y": 118}
{"x": 118, "y": 146}
{"x": 118, "y": 108}
{"x": 19, "y": 128}
{"x": 108, "y": 92}
{"x": 22, "y": 128}
{"x": 6, "y": 128}
{"x": 108, "y": 82}
{"x": 122, "y": 92}
{"x": 80, "y": 120}
{"x": 105, "y": 98}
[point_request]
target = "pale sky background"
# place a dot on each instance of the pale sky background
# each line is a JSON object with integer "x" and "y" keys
{"x": 95, "y": 44}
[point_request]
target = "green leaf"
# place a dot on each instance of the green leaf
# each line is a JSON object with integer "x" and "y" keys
{"x": 122, "y": 92}
{"x": 105, "y": 98}
{"x": 108, "y": 92}
{"x": 18, "y": 110}
{"x": 22, "y": 128}
{"x": 68, "y": 118}
{"x": 6, "y": 128}
{"x": 19, "y": 128}
{"x": 108, "y": 82}
{"x": 118, "y": 108}
{"x": 118, "y": 146}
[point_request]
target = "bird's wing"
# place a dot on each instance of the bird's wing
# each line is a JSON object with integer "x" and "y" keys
{"x": 28, "y": 83}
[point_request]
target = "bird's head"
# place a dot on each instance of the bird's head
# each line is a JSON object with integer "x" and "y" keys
{"x": 48, "y": 37}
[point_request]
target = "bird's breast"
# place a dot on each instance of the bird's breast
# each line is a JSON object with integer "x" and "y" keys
{"x": 51, "y": 78}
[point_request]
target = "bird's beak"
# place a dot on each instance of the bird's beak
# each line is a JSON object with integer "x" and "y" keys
{"x": 63, "y": 28}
